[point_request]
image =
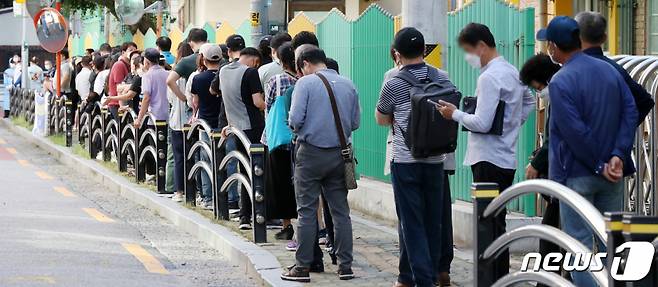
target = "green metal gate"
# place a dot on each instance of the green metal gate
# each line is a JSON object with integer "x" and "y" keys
{"x": 514, "y": 33}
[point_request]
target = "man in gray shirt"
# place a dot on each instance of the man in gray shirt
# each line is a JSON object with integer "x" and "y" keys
{"x": 319, "y": 165}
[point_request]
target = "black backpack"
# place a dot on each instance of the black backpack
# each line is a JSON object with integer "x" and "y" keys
{"x": 428, "y": 133}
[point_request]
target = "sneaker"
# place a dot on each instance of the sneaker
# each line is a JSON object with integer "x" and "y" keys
{"x": 297, "y": 274}
{"x": 199, "y": 200}
{"x": 322, "y": 240}
{"x": 208, "y": 205}
{"x": 245, "y": 224}
{"x": 322, "y": 237}
{"x": 177, "y": 197}
{"x": 292, "y": 245}
{"x": 345, "y": 274}
{"x": 285, "y": 234}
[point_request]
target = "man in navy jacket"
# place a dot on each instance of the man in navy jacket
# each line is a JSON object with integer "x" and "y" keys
{"x": 592, "y": 126}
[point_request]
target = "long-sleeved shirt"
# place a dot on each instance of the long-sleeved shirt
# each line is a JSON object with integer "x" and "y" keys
{"x": 498, "y": 80}
{"x": 593, "y": 118}
{"x": 311, "y": 116}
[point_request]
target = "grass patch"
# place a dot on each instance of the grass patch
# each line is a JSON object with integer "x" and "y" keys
{"x": 21, "y": 122}
{"x": 58, "y": 139}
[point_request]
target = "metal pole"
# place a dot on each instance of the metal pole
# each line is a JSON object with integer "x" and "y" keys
{"x": 614, "y": 228}
{"x": 25, "y": 52}
{"x": 259, "y": 20}
{"x": 107, "y": 25}
{"x": 484, "y": 232}
{"x": 430, "y": 18}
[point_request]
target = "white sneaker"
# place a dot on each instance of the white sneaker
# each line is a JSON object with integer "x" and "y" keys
{"x": 208, "y": 205}
{"x": 177, "y": 197}
{"x": 199, "y": 200}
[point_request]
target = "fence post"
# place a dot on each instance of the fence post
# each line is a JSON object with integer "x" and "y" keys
{"x": 70, "y": 117}
{"x": 483, "y": 232}
{"x": 257, "y": 152}
{"x": 90, "y": 135}
{"x": 121, "y": 160}
{"x": 614, "y": 227}
{"x": 642, "y": 228}
{"x": 140, "y": 169}
{"x": 161, "y": 150}
{"x": 220, "y": 197}
{"x": 105, "y": 119}
{"x": 80, "y": 112}
{"x": 190, "y": 184}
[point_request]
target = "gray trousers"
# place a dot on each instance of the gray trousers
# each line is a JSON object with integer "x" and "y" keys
{"x": 318, "y": 171}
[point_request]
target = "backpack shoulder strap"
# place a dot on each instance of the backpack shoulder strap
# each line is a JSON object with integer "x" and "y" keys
{"x": 407, "y": 77}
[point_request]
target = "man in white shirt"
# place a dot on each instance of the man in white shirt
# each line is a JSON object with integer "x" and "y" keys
{"x": 492, "y": 157}
{"x": 82, "y": 83}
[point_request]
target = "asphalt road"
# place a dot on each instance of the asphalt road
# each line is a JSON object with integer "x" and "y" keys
{"x": 59, "y": 228}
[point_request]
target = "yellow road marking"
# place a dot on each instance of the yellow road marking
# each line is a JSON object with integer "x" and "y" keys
{"x": 43, "y": 175}
{"x": 11, "y": 150}
{"x": 149, "y": 261}
{"x": 98, "y": 215}
{"x": 64, "y": 191}
{"x": 2, "y": 141}
{"x": 24, "y": 162}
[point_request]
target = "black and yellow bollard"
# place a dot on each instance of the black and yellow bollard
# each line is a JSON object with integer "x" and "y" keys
{"x": 614, "y": 228}
{"x": 484, "y": 232}
{"x": 220, "y": 198}
{"x": 70, "y": 118}
{"x": 642, "y": 228}
{"x": 189, "y": 139}
{"x": 161, "y": 132}
{"x": 257, "y": 152}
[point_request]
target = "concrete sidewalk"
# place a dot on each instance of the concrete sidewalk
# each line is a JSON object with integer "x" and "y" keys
{"x": 375, "y": 244}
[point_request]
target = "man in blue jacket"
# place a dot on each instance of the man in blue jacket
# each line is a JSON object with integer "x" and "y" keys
{"x": 592, "y": 127}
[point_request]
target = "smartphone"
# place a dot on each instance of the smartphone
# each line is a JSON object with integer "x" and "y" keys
{"x": 434, "y": 103}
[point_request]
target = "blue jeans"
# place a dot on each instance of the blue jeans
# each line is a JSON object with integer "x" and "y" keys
{"x": 231, "y": 168}
{"x": 605, "y": 196}
{"x": 206, "y": 185}
{"x": 418, "y": 189}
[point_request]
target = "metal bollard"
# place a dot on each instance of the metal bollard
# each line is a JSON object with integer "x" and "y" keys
{"x": 190, "y": 183}
{"x": 121, "y": 158}
{"x": 642, "y": 228}
{"x": 614, "y": 227}
{"x": 257, "y": 152}
{"x": 140, "y": 169}
{"x": 105, "y": 116}
{"x": 161, "y": 151}
{"x": 484, "y": 232}
{"x": 90, "y": 135}
{"x": 70, "y": 117}
{"x": 220, "y": 199}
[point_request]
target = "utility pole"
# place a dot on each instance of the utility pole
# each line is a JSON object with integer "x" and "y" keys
{"x": 25, "y": 52}
{"x": 107, "y": 25}
{"x": 259, "y": 20}
{"x": 430, "y": 17}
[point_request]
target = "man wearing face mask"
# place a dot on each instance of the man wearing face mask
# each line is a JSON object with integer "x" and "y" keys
{"x": 592, "y": 126}
{"x": 492, "y": 157}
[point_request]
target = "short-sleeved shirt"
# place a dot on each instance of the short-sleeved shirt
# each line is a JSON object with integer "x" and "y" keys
{"x": 135, "y": 82}
{"x": 119, "y": 71}
{"x": 208, "y": 104}
{"x": 395, "y": 100}
{"x": 186, "y": 66}
{"x": 67, "y": 71}
{"x": 238, "y": 83}
{"x": 169, "y": 58}
{"x": 267, "y": 71}
{"x": 99, "y": 81}
{"x": 154, "y": 83}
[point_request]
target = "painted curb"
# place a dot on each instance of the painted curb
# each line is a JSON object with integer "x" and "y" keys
{"x": 258, "y": 263}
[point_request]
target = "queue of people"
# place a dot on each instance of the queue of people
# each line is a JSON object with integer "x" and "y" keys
{"x": 288, "y": 95}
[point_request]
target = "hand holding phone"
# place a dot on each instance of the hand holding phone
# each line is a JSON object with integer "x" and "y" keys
{"x": 434, "y": 103}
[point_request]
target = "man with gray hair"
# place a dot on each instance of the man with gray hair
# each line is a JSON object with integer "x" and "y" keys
{"x": 592, "y": 36}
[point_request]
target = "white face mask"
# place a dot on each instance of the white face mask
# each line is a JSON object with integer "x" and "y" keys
{"x": 550, "y": 55}
{"x": 473, "y": 60}
{"x": 48, "y": 67}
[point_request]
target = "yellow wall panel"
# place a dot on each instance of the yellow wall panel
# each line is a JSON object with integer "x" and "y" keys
{"x": 176, "y": 36}
{"x": 224, "y": 30}
{"x": 300, "y": 23}
{"x": 89, "y": 43}
{"x": 138, "y": 38}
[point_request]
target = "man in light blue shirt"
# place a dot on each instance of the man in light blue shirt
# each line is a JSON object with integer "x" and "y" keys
{"x": 319, "y": 163}
{"x": 492, "y": 157}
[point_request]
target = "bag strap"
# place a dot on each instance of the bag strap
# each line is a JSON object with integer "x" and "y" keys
{"x": 334, "y": 108}
{"x": 407, "y": 77}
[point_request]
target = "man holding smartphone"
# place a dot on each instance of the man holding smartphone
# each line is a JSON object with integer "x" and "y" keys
{"x": 492, "y": 157}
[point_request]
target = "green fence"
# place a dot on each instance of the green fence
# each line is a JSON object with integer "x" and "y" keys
{"x": 514, "y": 33}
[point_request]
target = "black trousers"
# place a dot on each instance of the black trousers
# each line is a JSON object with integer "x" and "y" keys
{"x": 551, "y": 217}
{"x": 488, "y": 172}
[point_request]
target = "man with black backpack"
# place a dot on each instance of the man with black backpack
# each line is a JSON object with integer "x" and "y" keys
{"x": 500, "y": 106}
{"x": 421, "y": 138}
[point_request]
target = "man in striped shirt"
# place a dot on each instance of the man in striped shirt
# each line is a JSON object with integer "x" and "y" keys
{"x": 417, "y": 183}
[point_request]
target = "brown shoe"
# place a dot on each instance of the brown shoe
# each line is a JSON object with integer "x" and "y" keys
{"x": 443, "y": 280}
{"x": 298, "y": 274}
{"x": 398, "y": 284}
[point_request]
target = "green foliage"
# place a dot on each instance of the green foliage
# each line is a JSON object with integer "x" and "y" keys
{"x": 85, "y": 6}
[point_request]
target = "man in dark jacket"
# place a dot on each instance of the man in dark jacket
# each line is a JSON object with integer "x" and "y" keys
{"x": 592, "y": 36}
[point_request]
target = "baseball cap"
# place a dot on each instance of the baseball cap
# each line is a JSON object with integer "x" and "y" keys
{"x": 235, "y": 42}
{"x": 213, "y": 53}
{"x": 152, "y": 54}
{"x": 559, "y": 30}
{"x": 409, "y": 41}
{"x": 266, "y": 39}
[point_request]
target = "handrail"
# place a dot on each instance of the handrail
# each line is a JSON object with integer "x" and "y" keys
{"x": 547, "y": 233}
{"x": 240, "y": 157}
{"x": 564, "y": 194}
{"x": 241, "y": 136}
{"x": 201, "y": 125}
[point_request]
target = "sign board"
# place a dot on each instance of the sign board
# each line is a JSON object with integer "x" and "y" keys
{"x": 255, "y": 19}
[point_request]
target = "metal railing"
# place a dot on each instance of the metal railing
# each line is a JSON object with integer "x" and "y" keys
{"x": 640, "y": 195}
{"x": 144, "y": 150}
{"x": 200, "y": 138}
{"x": 612, "y": 230}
